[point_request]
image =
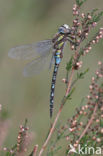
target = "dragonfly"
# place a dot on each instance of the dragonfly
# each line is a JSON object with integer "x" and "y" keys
{"x": 38, "y": 54}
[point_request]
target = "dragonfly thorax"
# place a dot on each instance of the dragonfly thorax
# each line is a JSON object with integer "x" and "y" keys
{"x": 64, "y": 29}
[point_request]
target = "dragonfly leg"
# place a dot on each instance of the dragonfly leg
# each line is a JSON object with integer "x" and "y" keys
{"x": 74, "y": 43}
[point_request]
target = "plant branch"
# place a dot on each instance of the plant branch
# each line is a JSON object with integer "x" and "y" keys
{"x": 69, "y": 83}
{"x": 35, "y": 150}
{"x": 89, "y": 123}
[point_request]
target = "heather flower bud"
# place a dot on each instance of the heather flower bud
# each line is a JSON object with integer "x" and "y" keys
{"x": 101, "y": 130}
{"x": 98, "y": 140}
{"x": 89, "y": 17}
{"x": 94, "y": 24}
{"x": 83, "y": 15}
{"x": 93, "y": 41}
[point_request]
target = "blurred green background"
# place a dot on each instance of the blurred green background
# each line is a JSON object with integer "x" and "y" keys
{"x": 28, "y": 21}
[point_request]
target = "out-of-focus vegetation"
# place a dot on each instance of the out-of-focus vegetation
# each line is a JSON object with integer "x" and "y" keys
{"x": 27, "y": 21}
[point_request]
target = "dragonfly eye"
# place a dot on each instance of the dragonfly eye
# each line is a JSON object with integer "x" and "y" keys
{"x": 64, "y": 29}
{"x": 61, "y": 30}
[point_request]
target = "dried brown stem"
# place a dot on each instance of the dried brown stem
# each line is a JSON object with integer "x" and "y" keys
{"x": 51, "y": 131}
{"x": 35, "y": 150}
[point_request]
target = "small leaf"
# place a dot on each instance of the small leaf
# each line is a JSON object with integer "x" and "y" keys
{"x": 25, "y": 124}
{"x": 4, "y": 114}
{"x": 69, "y": 64}
{"x": 101, "y": 123}
{"x": 96, "y": 18}
{"x": 31, "y": 153}
{"x": 102, "y": 85}
{"x": 80, "y": 2}
{"x": 71, "y": 92}
{"x": 81, "y": 75}
{"x": 93, "y": 11}
{"x": 14, "y": 147}
{"x": 8, "y": 154}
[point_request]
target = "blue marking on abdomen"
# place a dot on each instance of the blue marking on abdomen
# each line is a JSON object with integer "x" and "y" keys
{"x": 58, "y": 60}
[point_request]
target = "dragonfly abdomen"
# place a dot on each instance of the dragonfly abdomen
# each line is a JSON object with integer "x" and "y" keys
{"x": 53, "y": 88}
{"x": 57, "y": 62}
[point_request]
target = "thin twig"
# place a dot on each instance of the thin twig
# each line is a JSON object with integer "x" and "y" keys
{"x": 69, "y": 83}
{"x": 51, "y": 130}
{"x": 35, "y": 150}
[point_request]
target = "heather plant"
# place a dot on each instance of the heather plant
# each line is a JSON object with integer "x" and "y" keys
{"x": 85, "y": 127}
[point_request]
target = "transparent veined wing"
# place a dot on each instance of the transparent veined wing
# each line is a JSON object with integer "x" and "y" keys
{"x": 31, "y": 51}
{"x": 37, "y": 65}
{"x": 52, "y": 61}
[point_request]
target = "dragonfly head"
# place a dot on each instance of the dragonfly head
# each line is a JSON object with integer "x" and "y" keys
{"x": 64, "y": 29}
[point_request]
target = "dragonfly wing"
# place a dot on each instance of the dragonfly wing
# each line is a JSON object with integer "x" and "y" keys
{"x": 36, "y": 66}
{"x": 30, "y": 51}
{"x": 52, "y": 61}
